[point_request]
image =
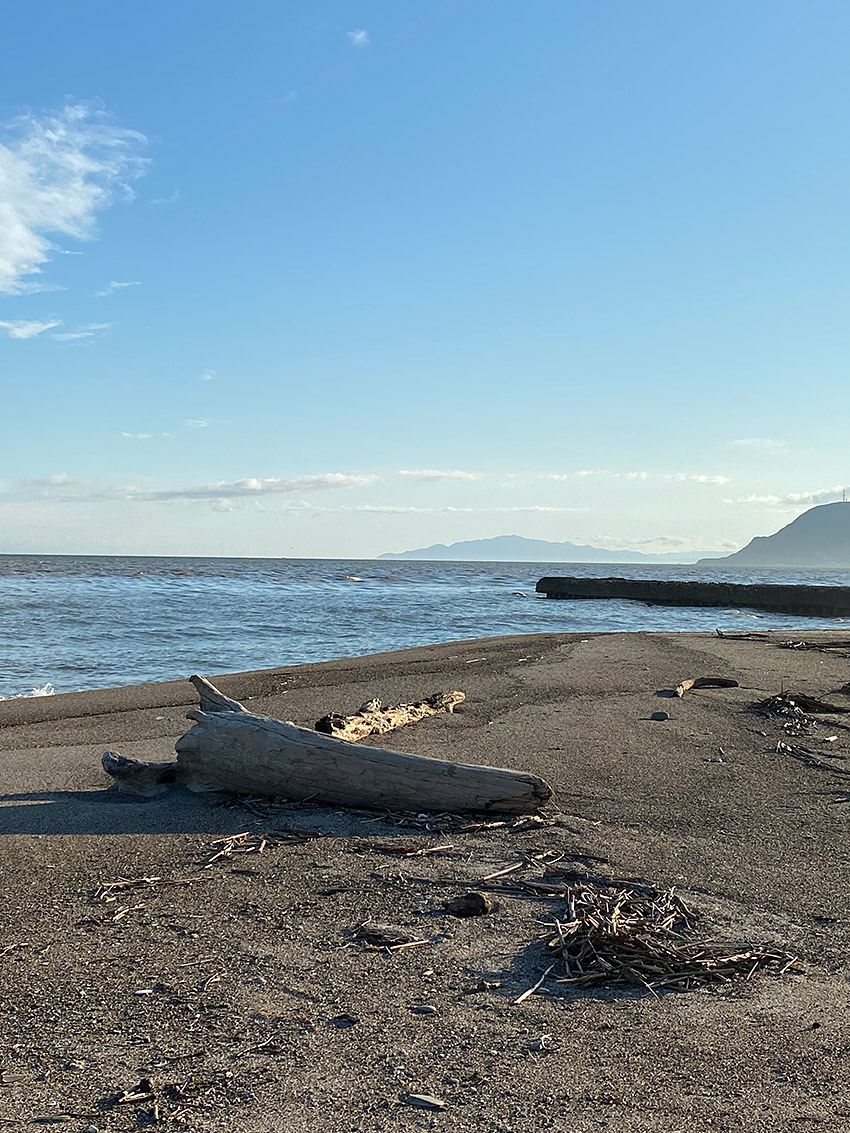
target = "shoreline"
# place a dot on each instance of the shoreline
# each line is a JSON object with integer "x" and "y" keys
{"x": 246, "y": 967}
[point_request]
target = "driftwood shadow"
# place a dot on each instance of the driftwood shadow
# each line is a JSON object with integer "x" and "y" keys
{"x": 110, "y": 812}
{"x": 181, "y": 811}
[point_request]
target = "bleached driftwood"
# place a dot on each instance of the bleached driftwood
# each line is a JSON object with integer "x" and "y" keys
{"x": 232, "y": 749}
{"x": 373, "y": 719}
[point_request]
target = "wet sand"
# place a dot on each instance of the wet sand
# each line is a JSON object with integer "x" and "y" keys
{"x": 241, "y": 994}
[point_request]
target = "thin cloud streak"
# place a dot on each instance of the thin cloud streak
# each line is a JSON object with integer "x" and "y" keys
{"x": 58, "y": 171}
{"x": 118, "y": 285}
{"x": 607, "y": 474}
{"x": 358, "y": 37}
{"x": 28, "y": 328}
{"x": 765, "y": 444}
{"x": 436, "y": 474}
{"x": 90, "y": 330}
{"x": 797, "y": 500}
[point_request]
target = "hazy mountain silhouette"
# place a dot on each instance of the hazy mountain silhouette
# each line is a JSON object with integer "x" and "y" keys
{"x": 514, "y": 548}
{"x": 819, "y": 537}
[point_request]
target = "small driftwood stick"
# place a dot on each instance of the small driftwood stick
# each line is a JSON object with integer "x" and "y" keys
{"x": 372, "y": 718}
{"x": 705, "y": 682}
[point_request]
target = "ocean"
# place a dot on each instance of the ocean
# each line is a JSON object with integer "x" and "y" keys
{"x": 87, "y": 622}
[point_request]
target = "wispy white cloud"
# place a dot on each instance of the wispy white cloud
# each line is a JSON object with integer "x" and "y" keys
{"x": 797, "y": 500}
{"x": 31, "y": 287}
{"x": 358, "y": 37}
{"x": 57, "y": 172}
{"x": 437, "y": 474}
{"x": 28, "y": 328}
{"x": 197, "y": 423}
{"x": 608, "y": 474}
{"x": 207, "y": 375}
{"x": 765, "y": 444}
{"x": 171, "y": 199}
{"x": 137, "y": 436}
{"x": 249, "y": 489}
{"x": 118, "y": 285}
{"x": 90, "y": 330}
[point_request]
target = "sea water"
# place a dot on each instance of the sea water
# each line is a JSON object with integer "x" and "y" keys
{"x": 69, "y": 623}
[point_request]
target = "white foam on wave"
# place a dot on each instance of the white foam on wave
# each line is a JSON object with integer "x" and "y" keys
{"x": 45, "y": 690}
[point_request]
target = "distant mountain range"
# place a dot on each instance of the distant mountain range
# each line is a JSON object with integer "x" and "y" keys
{"x": 516, "y": 549}
{"x": 818, "y": 538}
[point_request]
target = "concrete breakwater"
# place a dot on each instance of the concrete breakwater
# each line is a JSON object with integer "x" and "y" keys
{"x": 805, "y": 601}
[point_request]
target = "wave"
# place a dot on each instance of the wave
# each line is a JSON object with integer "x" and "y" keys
{"x": 44, "y": 690}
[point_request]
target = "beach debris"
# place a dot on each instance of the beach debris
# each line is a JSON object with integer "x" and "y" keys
{"x": 141, "y": 1092}
{"x": 378, "y": 936}
{"x": 743, "y": 636}
{"x": 660, "y": 716}
{"x": 471, "y": 904}
{"x": 232, "y": 749}
{"x": 425, "y": 1101}
{"x": 424, "y": 1009}
{"x": 249, "y": 842}
{"x": 535, "y": 987}
{"x": 813, "y": 758}
{"x": 403, "y": 851}
{"x": 624, "y": 936}
{"x": 704, "y": 682}
{"x": 132, "y": 777}
{"x": 798, "y": 711}
{"x": 840, "y": 648}
{"x": 373, "y": 718}
{"x": 342, "y": 1022}
{"x": 812, "y": 704}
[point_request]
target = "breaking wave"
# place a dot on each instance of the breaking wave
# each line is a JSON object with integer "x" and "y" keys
{"x": 44, "y": 690}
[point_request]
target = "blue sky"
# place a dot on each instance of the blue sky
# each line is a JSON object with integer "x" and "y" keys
{"x": 342, "y": 278}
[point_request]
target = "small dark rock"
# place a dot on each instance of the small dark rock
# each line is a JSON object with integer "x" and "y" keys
{"x": 344, "y": 1020}
{"x": 660, "y": 716}
{"x": 472, "y": 904}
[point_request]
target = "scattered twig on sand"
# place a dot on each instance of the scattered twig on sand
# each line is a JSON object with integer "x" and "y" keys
{"x": 381, "y": 937}
{"x": 840, "y": 648}
{"x": 399, "y": 851}
{"x": 812, "y": 758}
{"x": 461, "y": 824}
{"x": 529, "y": 991}
{"x": 625, "y": 937}
{"x": 108, "y": 891}
{"x": 249, "y": 842}
{"x": 547, "y": 858}
{"x": 14, "y": 947}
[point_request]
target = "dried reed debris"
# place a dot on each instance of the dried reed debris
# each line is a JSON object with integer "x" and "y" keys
{"x": 624, "y": 937}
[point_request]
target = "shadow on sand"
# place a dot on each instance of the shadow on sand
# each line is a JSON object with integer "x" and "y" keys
{"x": 109, "y": 812}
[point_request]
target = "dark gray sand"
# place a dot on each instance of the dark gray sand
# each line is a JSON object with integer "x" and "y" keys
{"x": 241, "y": 995}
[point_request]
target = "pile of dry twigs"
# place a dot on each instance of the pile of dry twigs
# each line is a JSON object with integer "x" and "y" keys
{"x": 625, "y": 937}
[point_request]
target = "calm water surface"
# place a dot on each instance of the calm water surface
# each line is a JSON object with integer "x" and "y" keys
{"x": 85, "y": 622}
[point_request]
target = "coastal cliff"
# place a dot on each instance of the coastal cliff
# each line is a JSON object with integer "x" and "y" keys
{"x": 818, "y": 538}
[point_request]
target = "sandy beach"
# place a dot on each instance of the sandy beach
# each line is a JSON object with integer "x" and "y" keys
{"x": 235, "y": 995}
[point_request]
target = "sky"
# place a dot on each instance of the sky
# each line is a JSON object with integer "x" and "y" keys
{"x": 339, "y": 278}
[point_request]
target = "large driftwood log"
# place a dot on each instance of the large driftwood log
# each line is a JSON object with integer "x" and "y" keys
{"x": 373, "y": 719}
{"x": 232, "y": 749}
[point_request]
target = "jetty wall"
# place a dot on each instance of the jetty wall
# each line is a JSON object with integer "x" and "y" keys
{"x": 805, "y": 601}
